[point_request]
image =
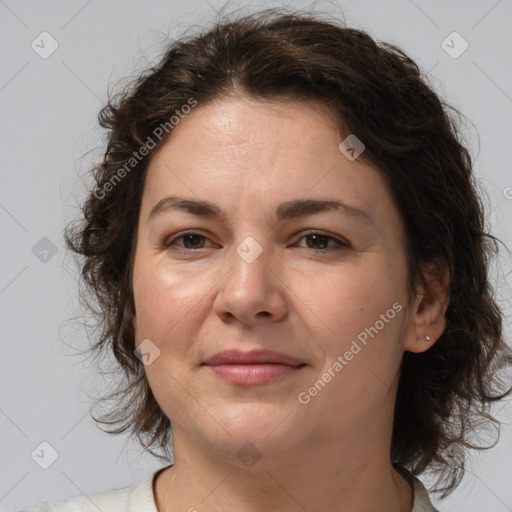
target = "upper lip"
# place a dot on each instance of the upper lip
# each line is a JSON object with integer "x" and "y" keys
{"x": 251, "y": 357}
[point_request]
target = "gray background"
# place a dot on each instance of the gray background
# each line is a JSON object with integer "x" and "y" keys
{"x": 49, "y": 138}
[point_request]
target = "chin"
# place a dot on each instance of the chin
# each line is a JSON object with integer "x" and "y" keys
{"x": 258, "y": 433}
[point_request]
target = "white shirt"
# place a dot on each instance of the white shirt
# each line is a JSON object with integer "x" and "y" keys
{"x": 139, "y": 498}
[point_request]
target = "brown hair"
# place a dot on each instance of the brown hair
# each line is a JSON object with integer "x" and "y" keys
{"x": 378, "y": 93}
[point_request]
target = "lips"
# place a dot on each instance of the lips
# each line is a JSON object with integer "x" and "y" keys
{"x": 253, "y": 368}
{"x": 252, "y": 357}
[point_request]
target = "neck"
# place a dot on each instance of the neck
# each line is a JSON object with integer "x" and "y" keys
{"x": 357, "y": 476}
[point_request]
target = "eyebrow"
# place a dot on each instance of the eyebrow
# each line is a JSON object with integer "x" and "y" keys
{"x": 287, "y": 210}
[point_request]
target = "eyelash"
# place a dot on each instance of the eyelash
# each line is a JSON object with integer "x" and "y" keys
{"x": 340, "y": 244}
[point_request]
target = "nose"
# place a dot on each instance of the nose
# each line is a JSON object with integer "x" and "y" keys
{"x": 251, "y": 292}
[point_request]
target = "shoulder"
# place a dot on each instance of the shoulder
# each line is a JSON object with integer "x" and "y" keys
{"x": 422, "y": 501}
{"x": 136, "y": 497}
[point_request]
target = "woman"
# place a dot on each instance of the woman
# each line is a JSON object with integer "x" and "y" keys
{"x": 290, "y": 258}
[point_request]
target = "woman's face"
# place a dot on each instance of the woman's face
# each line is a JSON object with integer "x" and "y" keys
{"x": 271, "y": 265}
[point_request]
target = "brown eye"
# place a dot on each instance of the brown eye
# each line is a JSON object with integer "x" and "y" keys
{"x": 320, "y": 242}
{"x": 190, "y": 241}
{"x": 193, "y": 240}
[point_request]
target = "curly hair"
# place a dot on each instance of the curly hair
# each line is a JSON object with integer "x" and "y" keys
{"x": 413, "y": 138}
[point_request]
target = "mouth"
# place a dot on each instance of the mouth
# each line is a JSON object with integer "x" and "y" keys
{"x": 253, "y": 368}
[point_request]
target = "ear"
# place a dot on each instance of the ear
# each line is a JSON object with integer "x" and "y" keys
{"x": 427, "y": 317}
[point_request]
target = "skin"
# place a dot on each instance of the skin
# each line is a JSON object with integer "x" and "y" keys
{"x": 198, "y": 297}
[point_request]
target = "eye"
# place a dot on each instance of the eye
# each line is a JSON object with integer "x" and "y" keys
{"x": 319, "y": 241}
{"x": 191, "y": 241}
{"x": 315, "y": 240}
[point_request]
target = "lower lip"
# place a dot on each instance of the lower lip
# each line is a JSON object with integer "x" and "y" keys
{"x": 253, "y": 374}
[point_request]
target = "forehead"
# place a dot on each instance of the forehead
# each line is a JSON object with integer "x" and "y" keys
{"x": 241, "y": 150}
{"x": 231, "y": 128}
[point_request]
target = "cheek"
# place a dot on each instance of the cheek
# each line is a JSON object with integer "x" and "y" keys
{"x": 350, "y": 300}
{"x": 363, "y": 318}
{"x": 164, "y": 306}
{"x": 163, "y": 297}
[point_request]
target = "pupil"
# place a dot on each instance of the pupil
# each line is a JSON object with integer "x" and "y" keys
{"x": 318, "y": 238}
{"x": 194, "y": 238}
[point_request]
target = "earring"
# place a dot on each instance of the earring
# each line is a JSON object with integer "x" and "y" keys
{"x": 427, "y": 338}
